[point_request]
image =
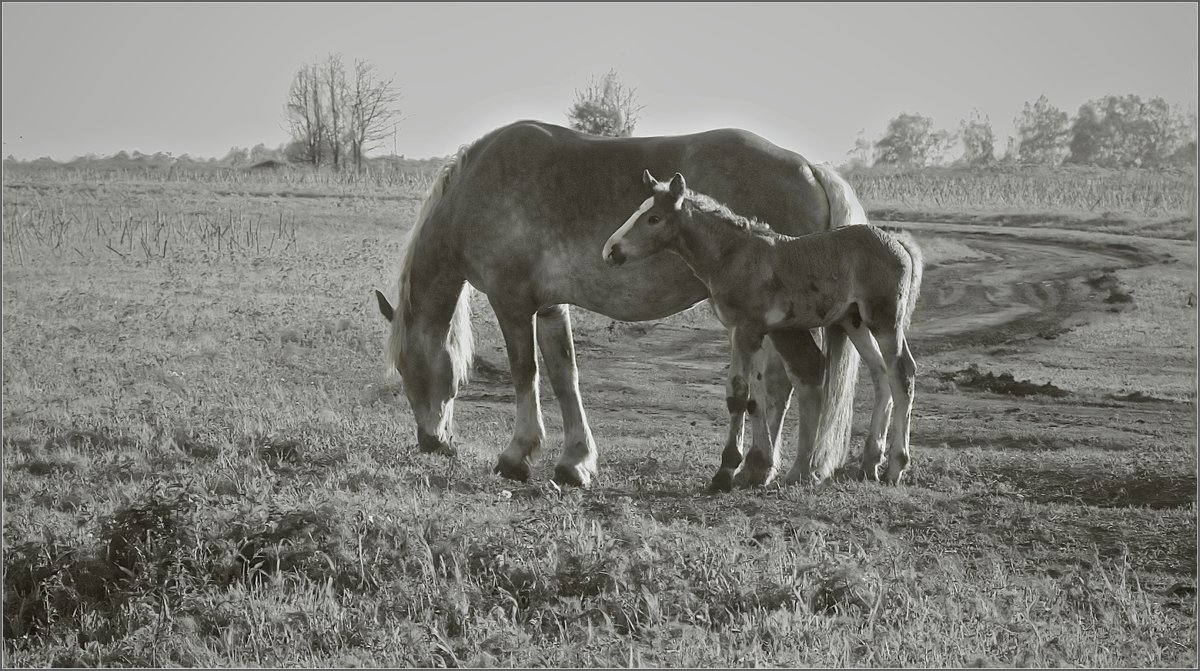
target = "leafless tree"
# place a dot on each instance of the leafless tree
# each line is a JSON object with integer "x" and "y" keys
{"x": 333, "y": 77}
{"x": 338, "y": 119}
{"x": 371, "y": 108}
{"x": 306, "y": 123}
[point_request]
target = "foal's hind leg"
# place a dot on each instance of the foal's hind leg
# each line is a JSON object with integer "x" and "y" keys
{"x": 577, "y": 464}
{"x": 902, "y": 373}
{"x": 742, "y": 347}
{"x": 881, "y": 416}
{"x": 518, "y": 328}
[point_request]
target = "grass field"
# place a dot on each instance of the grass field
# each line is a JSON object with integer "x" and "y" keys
{"x": 205, "y": 465}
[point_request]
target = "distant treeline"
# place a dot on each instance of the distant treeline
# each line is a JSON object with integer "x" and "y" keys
{"x": 258, "y": 158}
{"x": 1110, "y": 132}
{"x": 236, "y": 168}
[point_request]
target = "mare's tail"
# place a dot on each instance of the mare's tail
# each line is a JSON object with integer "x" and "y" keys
{"x": 841, "y": 373}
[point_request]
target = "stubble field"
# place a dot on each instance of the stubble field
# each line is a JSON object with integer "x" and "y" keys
{"x": 205, "y": 465}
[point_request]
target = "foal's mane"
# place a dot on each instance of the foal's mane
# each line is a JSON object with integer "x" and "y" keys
{"x": 709, "y": 205}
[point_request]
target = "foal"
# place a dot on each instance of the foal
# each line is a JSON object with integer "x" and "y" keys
{"x": 764, "y": 284}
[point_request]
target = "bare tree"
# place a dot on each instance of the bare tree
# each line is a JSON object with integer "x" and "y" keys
{"x": 333, "y": 77}
{"x": 338, "y": 119}
{"x": 305, "y": 121}
{"x": 605, "y": 107}
{"x": 371, "y": 110}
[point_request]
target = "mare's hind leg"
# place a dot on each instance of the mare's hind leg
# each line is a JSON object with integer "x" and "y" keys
{"x": 742, "y": 347}
{"x": 770, "y": 394}
{"x": 881, "y": 416}
{"x": 902, "y": 374}
{"x": 577, "y": 464}
{"x": 806, "y": 367}
{"x": 518, "y": 328}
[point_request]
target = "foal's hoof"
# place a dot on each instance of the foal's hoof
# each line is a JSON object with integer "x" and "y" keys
{"x": 512, "y": 470}
{"x": 573, "y": 475}
{"x": 722, "y": 481}
{"x": 869, "y": 474}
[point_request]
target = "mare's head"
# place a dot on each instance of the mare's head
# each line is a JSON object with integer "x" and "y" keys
{"x": 653, "y": 226}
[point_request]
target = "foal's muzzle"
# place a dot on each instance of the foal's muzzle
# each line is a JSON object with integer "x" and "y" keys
{"x": 615, "y": 256}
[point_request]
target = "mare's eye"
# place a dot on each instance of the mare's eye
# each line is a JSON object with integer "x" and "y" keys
{"x": 654, "y": 219}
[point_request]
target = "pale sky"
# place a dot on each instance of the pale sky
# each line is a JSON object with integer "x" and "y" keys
{"x": 200, "y": 78}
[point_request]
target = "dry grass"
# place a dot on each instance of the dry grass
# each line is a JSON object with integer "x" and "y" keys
{"x": 205, "y": 466}
{"x": 1144, "y": 202}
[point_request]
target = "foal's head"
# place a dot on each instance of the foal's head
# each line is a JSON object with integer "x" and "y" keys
{"x": 652, "y": 227}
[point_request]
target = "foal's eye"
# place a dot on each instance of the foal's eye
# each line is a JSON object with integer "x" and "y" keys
{"x": 654, "y": 219}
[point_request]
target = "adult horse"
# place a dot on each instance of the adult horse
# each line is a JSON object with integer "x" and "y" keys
{"x": 520, "y": 215}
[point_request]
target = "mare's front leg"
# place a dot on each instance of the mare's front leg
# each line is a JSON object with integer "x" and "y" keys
{"x": 743, "y": 346}
{"x": 577, "y": 464}
{"x": 518, "y": 327}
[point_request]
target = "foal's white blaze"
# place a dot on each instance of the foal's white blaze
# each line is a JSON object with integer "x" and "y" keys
{"x": 616, "y": 237}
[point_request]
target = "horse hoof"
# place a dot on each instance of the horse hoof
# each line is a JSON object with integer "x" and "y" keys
{"x": 894, "y": 479}
{"x": 440, "y": 448}
{"x": 510, "y": 470}
{"x": 572, "y": 475}
{"x": 794, "y": 477}
{"x": 722, "y": 481}
{"x": 748, "y": 479}
{"x": 870, "y": 474}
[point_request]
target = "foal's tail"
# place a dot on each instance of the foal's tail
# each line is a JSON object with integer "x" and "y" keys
{"x": 841, "y": 375}
{"x": 916, "y": 269}
{"x": 459, "y": 342}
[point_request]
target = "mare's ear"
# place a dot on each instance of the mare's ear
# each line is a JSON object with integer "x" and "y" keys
{"x": 678, "y": 185}
{"x": 385, "y": 308}
{"x": 648, "y": 179}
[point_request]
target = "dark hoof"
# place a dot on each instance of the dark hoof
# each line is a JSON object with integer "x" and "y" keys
{"x": 518, "y": 471}
{"x": 869, "y": 474}
{"x": 430, "y": 444}
{"x": 444, "y": 449}
{"x": 722, "y": 481}
{"x": 568, "y": 476}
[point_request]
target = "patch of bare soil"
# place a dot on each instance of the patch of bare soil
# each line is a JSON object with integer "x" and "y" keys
{"x": 1004, "y": 383}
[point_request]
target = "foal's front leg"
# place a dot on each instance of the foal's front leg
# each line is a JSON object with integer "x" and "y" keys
{"x": 770, "y": 395}
{"x": 742, "y": 345}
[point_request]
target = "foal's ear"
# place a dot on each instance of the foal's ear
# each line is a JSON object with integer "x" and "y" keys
{"x": 678, "y": 185}
{"x": 648, "y": 179}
